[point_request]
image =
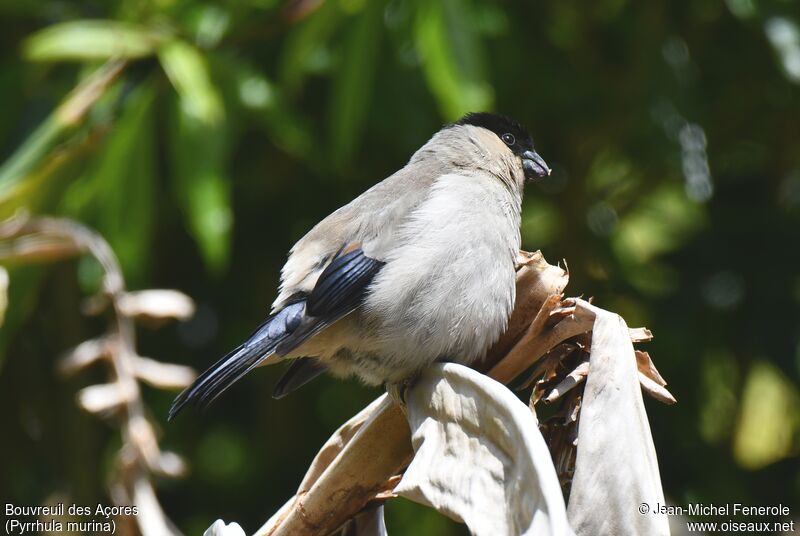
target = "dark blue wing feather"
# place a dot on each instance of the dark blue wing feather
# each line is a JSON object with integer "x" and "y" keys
{"x": 300, "y": 372}
{"x": 342, "y": 283}
{"x": 228, "y": 370}
{"x": 339, "y": 289}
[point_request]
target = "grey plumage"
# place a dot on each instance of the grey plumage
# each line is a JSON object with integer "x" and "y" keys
{"x": 418, "y": 268}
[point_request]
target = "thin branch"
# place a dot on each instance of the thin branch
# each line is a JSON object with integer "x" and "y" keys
{"x": 140, "y": 458}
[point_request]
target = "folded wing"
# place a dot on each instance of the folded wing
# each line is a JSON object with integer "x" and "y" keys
{"x": 339, "y": 290}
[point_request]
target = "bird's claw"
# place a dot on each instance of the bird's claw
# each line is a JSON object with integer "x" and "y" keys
{"x": 397, "y": 392}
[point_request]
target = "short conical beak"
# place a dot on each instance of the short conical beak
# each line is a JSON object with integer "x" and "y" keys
{"x": 534, "y": 165}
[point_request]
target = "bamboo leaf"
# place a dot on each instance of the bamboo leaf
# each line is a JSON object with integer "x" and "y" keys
{"x": 198, "y": 151}
{"x": 451, "y": 57}
{"x": 188, "y": 71}
{"x": 31, "y": 153}
{"x": 306, "y": 46}
{"x": 353, "y": 82}
{"x": 264, "y": 103}
{"x": 91, "y": 40}
{"x": 123, "y": 176}
{"x": 64, "y": 120}
{"x": 198, "y": 154}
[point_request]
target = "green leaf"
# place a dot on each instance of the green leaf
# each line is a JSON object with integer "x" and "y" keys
{"x": 30, "y": 154}
{"x": 188, "y": 71}
{"x": 452, "y": 57}
{"x": 769, "y": 418}
{"x": 305, "y": 49}
{"x": 209, "y": 24}
{"x": 352, "y": 86}
{"x": 540, "y": 223}
{"x": 284, "y": 125}
{"x": 260, "y": 100}
{"x": 121, "y": 184}
{"x": 661, "y": 222}
{"x": 91, "y": 40}
{"x": 70, "y": 114}
{"x": 44, "y": 186}
{"x": 198, "y": 150}
{"x": 719, "y": 375}
{"x": 198, "y": 153}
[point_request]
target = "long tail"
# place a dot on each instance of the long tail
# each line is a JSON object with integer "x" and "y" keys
{"x": 338, "y": 291}
{"x": 231, "y": 368}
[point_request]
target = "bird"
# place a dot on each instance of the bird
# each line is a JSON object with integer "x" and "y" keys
{"x": 418, "y": 269}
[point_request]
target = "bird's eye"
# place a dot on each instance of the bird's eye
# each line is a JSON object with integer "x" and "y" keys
{"x": 508, "y": 139}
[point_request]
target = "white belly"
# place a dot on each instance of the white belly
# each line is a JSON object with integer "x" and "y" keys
{"x": 448, "y": 285}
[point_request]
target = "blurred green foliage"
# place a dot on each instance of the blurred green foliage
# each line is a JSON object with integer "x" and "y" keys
{"x": 209, "y": 136}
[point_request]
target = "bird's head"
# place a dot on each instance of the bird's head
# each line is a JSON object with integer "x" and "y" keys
{"x": 515, "y": 140}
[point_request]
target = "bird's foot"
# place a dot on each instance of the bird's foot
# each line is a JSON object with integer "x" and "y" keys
{"x": 398, "y": 391}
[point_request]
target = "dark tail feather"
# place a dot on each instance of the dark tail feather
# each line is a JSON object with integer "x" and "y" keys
{"x": 301, "y": 371}
{"x": 231, "y": 368}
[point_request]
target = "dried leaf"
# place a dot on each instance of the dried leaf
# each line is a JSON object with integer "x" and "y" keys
{"x": 616, "y": 467}
{"x": 103, "y": 398}
{"x": 573, "y": 379}
{"x": 38, "y": 248}
{"x": 646, "y": 367}
{"x": 389, "y": 493}
{"x": 336, "y": 443}
{"x": 536, "y": 282}
{"x": 163, "y": 375}
{"x": 82, "y": 356}
{"x": 141, "y": 435}
{"x": 532, "y": 346}
{"x": 480, "y": 457}
{"x": 377, "y": 451}
{"x": 172, "y": 465}
{"x": 151, "y": 518}
{"x": 156, "y": 305}
{"x": 640, "y": 334}
{"x": 548, "y": 362}
{"x": 655, "y": 390}
{"x": 547, "y": 370}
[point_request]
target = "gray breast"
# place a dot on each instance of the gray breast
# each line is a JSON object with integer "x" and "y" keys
{"x": 448, "y": 286}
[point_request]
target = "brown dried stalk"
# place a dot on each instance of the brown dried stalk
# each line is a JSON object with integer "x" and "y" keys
{"x": 359, "y": 464}
{"x": 140, "y": 459}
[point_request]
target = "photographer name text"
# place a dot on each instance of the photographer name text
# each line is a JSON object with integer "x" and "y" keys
{"x": 702, "y": 509}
